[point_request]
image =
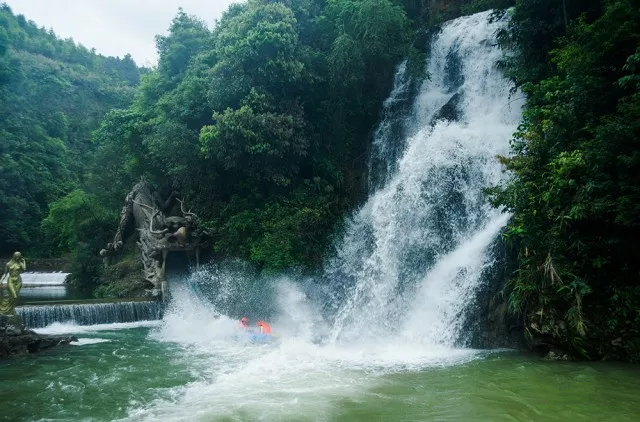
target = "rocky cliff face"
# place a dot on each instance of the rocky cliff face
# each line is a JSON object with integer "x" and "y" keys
{"x": 17, "y": 340}
{"x": 492, "y": 325}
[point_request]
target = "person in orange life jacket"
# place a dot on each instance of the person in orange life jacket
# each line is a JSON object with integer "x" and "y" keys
{"x": 244, "y": 323}
{"x": 264, "y": 327}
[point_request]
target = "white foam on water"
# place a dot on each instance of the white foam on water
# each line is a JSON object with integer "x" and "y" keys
{"x": 293, "y": 378}
{"x": 87, "y": 341}
{"x": 72, "y": 328}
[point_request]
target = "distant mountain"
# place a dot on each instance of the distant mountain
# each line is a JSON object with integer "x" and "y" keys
{"x": 53, "y": 94}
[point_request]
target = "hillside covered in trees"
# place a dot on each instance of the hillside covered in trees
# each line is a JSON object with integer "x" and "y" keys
{"x": 261, "y": 123}
{"x": 264, "y": 121}
{"x": 53, "y": 94}
{"x": 575, "y": 191}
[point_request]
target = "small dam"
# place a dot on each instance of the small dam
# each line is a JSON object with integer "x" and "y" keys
{"x": 88, "y": 312}
{"x": 45, "y": 299}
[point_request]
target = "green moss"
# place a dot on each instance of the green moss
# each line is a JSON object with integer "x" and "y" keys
{"x": 124, "y": 278}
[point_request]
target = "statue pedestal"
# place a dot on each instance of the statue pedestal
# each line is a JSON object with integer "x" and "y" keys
{"x": 11, "y": 325}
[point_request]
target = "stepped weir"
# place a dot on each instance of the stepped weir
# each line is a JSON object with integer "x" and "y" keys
{"x": 41, "y": 314}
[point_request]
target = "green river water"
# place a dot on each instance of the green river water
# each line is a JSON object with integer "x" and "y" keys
{"x": 132, "y": 372}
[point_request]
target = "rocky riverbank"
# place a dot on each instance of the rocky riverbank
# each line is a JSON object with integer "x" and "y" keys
{"x": 17, "y": 340}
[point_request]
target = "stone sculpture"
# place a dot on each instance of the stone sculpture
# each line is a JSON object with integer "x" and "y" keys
{"x": 16, "y": 266}
{"x": 159, "y": 233}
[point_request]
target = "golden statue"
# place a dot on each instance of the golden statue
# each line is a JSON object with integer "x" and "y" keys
{"x": 13, "y": 269}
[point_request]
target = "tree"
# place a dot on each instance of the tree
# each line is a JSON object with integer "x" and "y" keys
{"x": 574, "y": 192}
{"x": 52, "y": 95}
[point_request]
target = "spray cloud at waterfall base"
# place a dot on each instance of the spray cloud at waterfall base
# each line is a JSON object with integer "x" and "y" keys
{"x": 395, "y": 296}
{"x": 300, "y": 377}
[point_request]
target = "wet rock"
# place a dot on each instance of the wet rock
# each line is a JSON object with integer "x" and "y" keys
{"x": 17, "y": 340}
{"x": 449, "y": 111}
{"x": 491, "y": 325}
{"x": 557, "y": 355}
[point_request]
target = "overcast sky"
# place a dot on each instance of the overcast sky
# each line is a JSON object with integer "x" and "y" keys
{"x": 115, "y": 27}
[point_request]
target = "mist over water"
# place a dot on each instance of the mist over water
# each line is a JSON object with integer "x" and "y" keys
{"x": 299, "y": 376}
{"x": 395, "y": 294}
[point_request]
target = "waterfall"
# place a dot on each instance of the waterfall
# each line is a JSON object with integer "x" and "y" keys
{"x": 412, "y": 257}
{"x": 44, "y": 279}
{"x": 387, "y": 146}
{"x": 90, "y": 314}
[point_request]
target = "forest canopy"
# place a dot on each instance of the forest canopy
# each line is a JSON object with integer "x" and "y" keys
{"x": 262, "y": 122}
{"x": 53, "y": 94}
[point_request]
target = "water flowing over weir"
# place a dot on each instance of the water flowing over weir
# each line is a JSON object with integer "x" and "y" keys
{"x": 413, "y": 256}
{"x": 44, "y": 279}
{"x": 89, "y": 314}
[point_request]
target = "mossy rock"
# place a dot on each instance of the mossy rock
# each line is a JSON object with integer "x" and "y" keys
{"x": 558, "y": 355}
{"x": 125, "y": 278}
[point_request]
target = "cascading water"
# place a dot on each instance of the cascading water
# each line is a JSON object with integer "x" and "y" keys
{"x": 388, "y": 145}
{"x": 407, "y": 267}
{"x": 44, "y": 279}
{"x": 44, "y": 286}
{"x": 413, "y": 256}
{"x": 89, "y": 314}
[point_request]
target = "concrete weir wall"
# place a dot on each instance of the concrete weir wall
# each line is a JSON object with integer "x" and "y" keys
{"x": 89, "y": 312}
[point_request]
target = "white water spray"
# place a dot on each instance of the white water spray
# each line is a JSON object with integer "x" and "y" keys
{"x": 413, "y": 256}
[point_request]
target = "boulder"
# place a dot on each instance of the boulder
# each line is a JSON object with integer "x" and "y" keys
{"x": 17, "y": 340}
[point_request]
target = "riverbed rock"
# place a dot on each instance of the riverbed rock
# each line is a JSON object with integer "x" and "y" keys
{"x": 17, "y": 340}
{"x": 490, "y": 324}
{"x": 557, "y": 355}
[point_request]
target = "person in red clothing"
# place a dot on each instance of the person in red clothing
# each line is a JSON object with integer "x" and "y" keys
{"x": 264, "y": 327}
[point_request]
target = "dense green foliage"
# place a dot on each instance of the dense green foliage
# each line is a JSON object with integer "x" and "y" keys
{"x": 576, "y": 166}
{"x": 53, "y": 93}
{"x": 263, "y": 122}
